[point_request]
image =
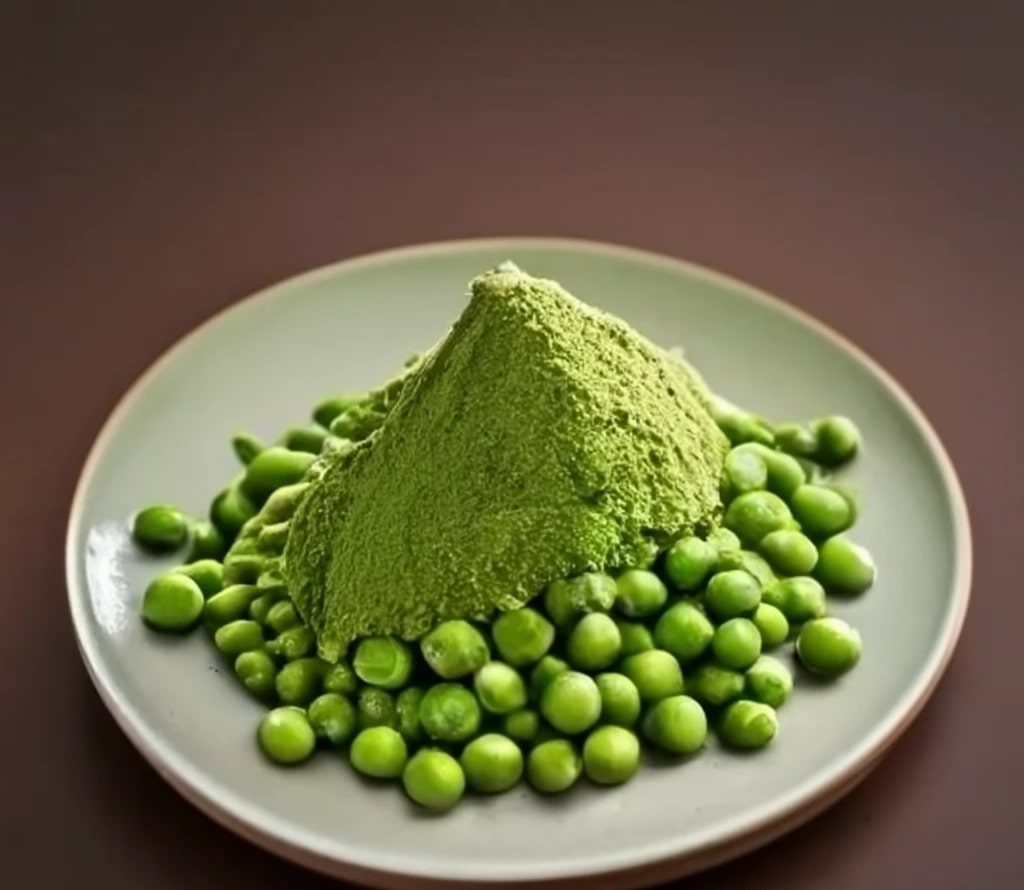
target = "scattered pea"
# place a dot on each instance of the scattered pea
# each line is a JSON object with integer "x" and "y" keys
{"x": 273, "y": 468}
{"x": 160, "y": 528}
{"x": 676, "y": 724}
{"x": 620, "y": 699}
{"x": 689, "y": 561}
{"x": 500, "y": 688}
{"x": 714, "y": 685}
{"x": 594, "y": 642}
{"x": 207, "y": 542}
{"x": 293, "y": 643}
{"x": 796, "y": 439}
{"x": 789, "y": 552}
{"x": 747, "y": 561}
{"x": 236, "y": 637}
{"x": 768, "y": 681}
{"x": 450, "y": 713}
{"x": 784, "y": 472}
{"x": 736, "y": 643}
{"x": 434, "y": 779}
{"x": 732, "y": 593}
{"x": 379, "y": 752}
{"x": 799, "y": 598}
{"x": 257, "y": 672}
{"x": 522, "y": 636}
{"x": 772, "y": 625}
{"x": 282, "y": 616}
{"x": 589, "y": 592}
{"x": 285, "y": 736}
{"x": 376, "y": 707}
{"x": 828, "y": 646}
{"x": 308, "y": 438}
{"x": 553, "y": 766}
{"x": 522, "y": 726}
{"x": 821, "y": 511}
{"x": 656, "y": 674}
{"x": 333, "y": 718}
{"x": 231, "y": 509}
{"x": 640, "y": 593}
{"x": 571, "y": 702}
{"x": 845, "y": 567}
{"x": 611, "y": 755}
{"x": 549, "y": 667}
{"x": 383, "y": 661}
{"x": 748, "y": 724}
{"x": 454, "y": 649}
{"x": 298, "y": 682}
{"x": 330, "y": 408}
{"x": 246, "y": 446}
{"x": 492, "y": 763}
{"x": 341, "y": 679}
{"x": 755, "y": 514}
{"x": 744, "y": 471}
{"x": 838, "y": 440}
{"x": 685, "y": 631}
{"x": 407, "y": 712}
{"x": 635, "y": 637}
{"x": 172, "y": 603}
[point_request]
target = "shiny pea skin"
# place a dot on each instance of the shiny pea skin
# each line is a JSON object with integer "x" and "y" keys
{"x": 160, "y": 528}
{"x": 450, "y": 713}
{"x": 285, "y": 736}
{"x": 274, "y": 468}
{"x": 594, "y": 643}
{"x": 714, "y": 685}
{"x": 282, "y": 616}
{"x": 308, "y": 438}
{"x": 207, "y": 573}
{"x": 784, "y": 473}
{"x": 341, "y": 679}
{"x": 454, "y": 649}
{"x": 172, "y": 603}
{"x": 522, "y": 726}
{"x": 333, "y": 406}
{"x": 434, "y": 779}
{"x": 298, "y": 682}
{"x": 620, "y": 699}
{"x": 379, "y": 752}
{"x": 800, "y": 598}
{"x": 845, "y": 567}
{"x": 500, "y": 688}
{"x": 281, "y": 505}
{"x": 231, "y": 509}
{"x": 796, "y": 439}
{"x": 685, "y": 631}
{"x": 748, "y": 725}
{"x": 744, "y": 471}
{"x": 789, "y": 552}
{"x": 635, "y": 637}
{"x": 377, "y": 707}
{"x": 821, "y": 511}
{"x": 755, "y": 514}
{"x": 230, "y": 604}
{"x": 611, "y": 755}
{"x": 492, "y": 763}
{"x": 640, "y": 593}
{"x": 334, "y": 718}
{"x": 768, "y": 681}
{"x": 257, "y": 672}
{"x": 571, "y": 702}
{"x": 544, "y": 671}
{"x": 772, "y": 624}
{"x": 207, "y": 542}
{"x": 838, "y": 440}
{"x": 656, "y": 674}
{"x": 737, "y": 643}
{"x": 383, "y": 661}
{"x": 553, "y": 766}
{"x": 688, "y": 562}
{"x": 732, "y": 593}
{"x": 828, "y": 646}
{"x": 236, "y": 637}
{"x": 259, "y": 608}
{"x": 295, "y": 642}
{"x": 522, "y": 636}
{"x": 677, "y": 725}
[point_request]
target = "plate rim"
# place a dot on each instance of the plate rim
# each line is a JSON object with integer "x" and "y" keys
{"x": 763, "y": 824}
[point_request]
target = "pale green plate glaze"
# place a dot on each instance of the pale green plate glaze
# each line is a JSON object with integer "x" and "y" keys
{"x": 261, "y": 364}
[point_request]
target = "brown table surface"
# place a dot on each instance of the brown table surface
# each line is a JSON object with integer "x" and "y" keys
{"x": 162, "y": 160}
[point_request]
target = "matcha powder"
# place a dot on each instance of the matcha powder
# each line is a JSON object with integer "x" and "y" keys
{"x": 540, "y": 438}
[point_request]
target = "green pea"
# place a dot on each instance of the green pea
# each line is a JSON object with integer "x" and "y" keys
{"x": 231, "y": 509}
{"x": 635, "y": 637}
{"x": 656, "y": 674}
{"x": 379, "y": 752}
{"x": 172, "y": 603}
{"x": 732, "y": 593}
{"x": 845, "y": 567}
{"x": 799, "y": 598}
{"x": 207, "y": 542}
{"x": 828, "y": 646}
{"x": 434, "y": 779}
{"x": 589, "y": 592}
{"x": 160, "y": 528}
{"x": 685, "y": 631}
{"x": 281, "y": 505}
{"x": 640, "y": 593}
{"x": 230, "y": 604}
{"x": 549, "y": 667}
{"x": 454, "y": 649}
{"x": 784, "y": 473}
{"x": 236, "y": 637}
{"x": 688, "y": 562}
{"x": 450, "y": 713}
{"x": 383, "y": 661}
{"x": 522, "y": 636}
{"x": 273, "y": 538}
{"x": 611, "y": 755}
{"x": 272, "y": 581}
{"x": 499, "y": 687}
{"x": 744, "y": 471}
{"x": 377, "y": 707}
{"x": 333, "y": 718}
{"x": 294, "y": 643}
{"x": 257, "y": 672}
{"x": 796, "y": 439}
{"x": 789, "y": 552}
{"x": 492, "y": 763}
{"x": 357, "y": 422}
{"x": 282, "y": 616}
{"x": 677, "y": 725}
{"x": 720, "y": 540}
{"x": 772, "y": 625}
{"x": 207, "y": 573}
{"x": 714, "y": 685}
{"x": 407, "y": 710}
{"x": 571, "y": 702}
{"x": 553, "y": 766}
{"x": 246, "y": 446}
{"x": 274, "y": 468}
{"x": 838, "y": 440}
{"x": 298, "y": 682}
{"x": 748, "y": 724}
{"x": 285, "y": 736}
{"x": 747, "y": 561}
{"x": 756, "y": 513}
{"x": 740, "y": 426}
{"x": 522, "y": 726}
{"x": 243, "y": 568}
{"x": 341, "y": 679}
{"x": 594, "y": 642}
{"x": 333, "y": 406}
{"x": 768, "y": 681}
{"x": 620, "y": 699}
{"x": 737, "y": 643}
{"x": 308, "y": 438}
{"x": 821, "y": 511}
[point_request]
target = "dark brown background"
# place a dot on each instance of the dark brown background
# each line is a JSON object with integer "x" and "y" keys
{"x": 161, "y": 163}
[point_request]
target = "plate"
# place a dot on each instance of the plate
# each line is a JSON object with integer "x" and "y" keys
{"x": 261, "y": 363}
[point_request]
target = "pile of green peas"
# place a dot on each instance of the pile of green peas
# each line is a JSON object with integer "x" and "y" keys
{"x": 574, "y": 683}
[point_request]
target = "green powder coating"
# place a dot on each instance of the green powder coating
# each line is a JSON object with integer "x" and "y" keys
{"x": 539, "y": 439}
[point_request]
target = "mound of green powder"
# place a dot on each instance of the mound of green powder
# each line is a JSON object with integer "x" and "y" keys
{"x": 540, "y": 438}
